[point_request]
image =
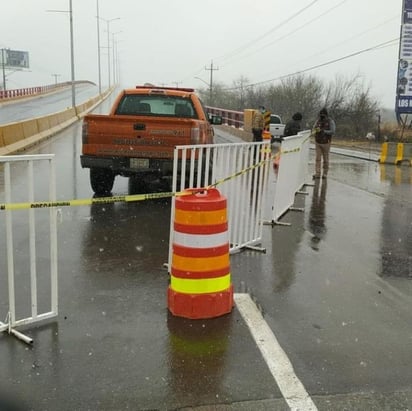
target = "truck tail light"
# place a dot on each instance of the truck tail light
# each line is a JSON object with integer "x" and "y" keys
{"x": 195, "y": 135}
{"x": 85, "y": 129}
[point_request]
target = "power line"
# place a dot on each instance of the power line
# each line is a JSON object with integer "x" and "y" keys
{"x": 296, "y": 30}
{"x": 351, "y": 38}
{"x": 334, "y": 46}
{"x": 240, "y": 49}
{"x": 378, "y": 46}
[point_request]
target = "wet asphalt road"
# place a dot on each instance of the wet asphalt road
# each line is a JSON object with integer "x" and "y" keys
{"x": 335, "y": 287}
{"x": 19, "y": 110}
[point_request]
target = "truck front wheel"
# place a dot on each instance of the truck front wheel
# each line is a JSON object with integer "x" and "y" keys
{"x": 101, "y": 180}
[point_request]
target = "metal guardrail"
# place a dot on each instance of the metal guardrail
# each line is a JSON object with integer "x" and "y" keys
{"x": 229, "y": 117}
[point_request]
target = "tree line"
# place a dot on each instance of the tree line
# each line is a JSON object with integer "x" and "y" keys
{"x": 349, "y": 101}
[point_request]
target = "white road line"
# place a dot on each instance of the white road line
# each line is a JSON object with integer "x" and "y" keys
{"x": 279, "y": 365}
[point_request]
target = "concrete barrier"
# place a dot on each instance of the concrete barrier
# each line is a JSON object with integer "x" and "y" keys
{"x": 407, "y": 153}
{"x": 12, "y": 133}
{"x": 1, "y": 139}
{"x": 396, "y": 153}
{"x": 30, "y": 128}
{"x": 53, "y": 120}
{"x": 43, "y": 124}
{"x": 390, "y": 153}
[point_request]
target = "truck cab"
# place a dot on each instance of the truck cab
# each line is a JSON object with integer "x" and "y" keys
{"x": 276, "y": 127}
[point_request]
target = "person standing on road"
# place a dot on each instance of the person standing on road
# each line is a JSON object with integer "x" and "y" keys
{"x": 324, "y": 129}
{"x": 258, "y": 124}
{"x": 293, "y": 126}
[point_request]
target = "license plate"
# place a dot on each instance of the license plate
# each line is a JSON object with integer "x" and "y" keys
{"x": 139, "y": 163}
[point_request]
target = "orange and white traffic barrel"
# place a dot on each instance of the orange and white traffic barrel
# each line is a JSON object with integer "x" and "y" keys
{"x": 200, "y": 281}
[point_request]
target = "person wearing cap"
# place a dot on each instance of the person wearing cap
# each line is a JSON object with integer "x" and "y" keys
{"x": 258, "y": 123}
{"x": 293, "y": 126}
{"x": 323, "y": 129}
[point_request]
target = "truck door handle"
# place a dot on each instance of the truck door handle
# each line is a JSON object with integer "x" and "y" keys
{"x": 139, "y": 126}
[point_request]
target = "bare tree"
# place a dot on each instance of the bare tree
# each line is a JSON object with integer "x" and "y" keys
{"x": 294, "y": 94}
{"x": 240, "y": 86}
{"x": 351, "y": 105}
{"x": 348, "y": 100}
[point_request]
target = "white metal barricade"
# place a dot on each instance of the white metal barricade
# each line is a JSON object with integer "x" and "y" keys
{"x": 304, "y": 158}
{"x": 241, "y": 173}
{"x": 25, "y": 280}
{"x": 292, "y": 174}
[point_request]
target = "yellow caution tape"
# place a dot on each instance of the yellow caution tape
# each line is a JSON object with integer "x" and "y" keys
{"x": 137, "y": 197}
{"x": 90, "y": 201}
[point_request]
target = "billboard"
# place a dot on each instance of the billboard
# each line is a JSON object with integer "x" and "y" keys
{"x": 404, "y": 79}
{"x": 14, "y": 59}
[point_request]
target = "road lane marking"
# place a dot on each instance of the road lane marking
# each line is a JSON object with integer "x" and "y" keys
{"x": 279, "y": 364}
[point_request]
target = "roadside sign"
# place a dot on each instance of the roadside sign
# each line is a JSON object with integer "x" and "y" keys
{"x": 404, "y": 79}
{"x": 14, "y": 59}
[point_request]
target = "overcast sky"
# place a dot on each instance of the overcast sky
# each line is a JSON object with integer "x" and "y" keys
{"x": 169, "y": 42}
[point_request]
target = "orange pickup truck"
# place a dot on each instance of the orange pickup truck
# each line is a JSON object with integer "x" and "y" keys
{"x": 137, "y": 138}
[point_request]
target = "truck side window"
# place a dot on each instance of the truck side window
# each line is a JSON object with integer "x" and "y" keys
{"x": 275, "y": 119}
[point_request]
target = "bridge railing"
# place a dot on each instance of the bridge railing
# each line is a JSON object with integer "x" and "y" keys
{"x": 32, "y": 91}
{"x": 230, "y": 117}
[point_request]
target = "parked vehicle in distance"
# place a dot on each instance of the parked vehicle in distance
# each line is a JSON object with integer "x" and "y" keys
{"x": 137, "y": 138}
{"x": 276, "y": 127}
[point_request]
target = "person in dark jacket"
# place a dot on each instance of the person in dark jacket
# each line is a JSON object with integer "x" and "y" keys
{"x": 324, "y": 129}
{"x": 293, "y": 126}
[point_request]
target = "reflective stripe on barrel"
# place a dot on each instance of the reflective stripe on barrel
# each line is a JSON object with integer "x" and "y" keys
{"x": 197, "y": 286}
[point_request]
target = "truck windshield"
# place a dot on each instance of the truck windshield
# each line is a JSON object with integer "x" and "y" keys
{"x": 156, "y": 105}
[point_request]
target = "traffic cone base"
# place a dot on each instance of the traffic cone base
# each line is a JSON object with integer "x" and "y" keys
{"x": 200, "y": 306}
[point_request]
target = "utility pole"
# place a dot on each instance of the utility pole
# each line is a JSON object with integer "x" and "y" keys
{"x": 55, "y": 77}
{"x": 3, "y": 61}
{"x": 211, "y": 69}
{"x": 72, "y": 55}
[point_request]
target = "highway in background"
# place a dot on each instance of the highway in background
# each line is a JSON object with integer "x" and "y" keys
{"x": 335, "y": 287}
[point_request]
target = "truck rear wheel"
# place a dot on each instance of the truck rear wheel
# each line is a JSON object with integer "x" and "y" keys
{"x": 137, "y": 185}
{"x": 101, "y": 180}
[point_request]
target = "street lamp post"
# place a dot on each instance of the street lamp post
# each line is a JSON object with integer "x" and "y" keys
{"x": 3, "y": 62}
{"x": 70, "y": 11}
{"x": 114, "y": 57}
{"x": 108, "y": 44}
{"x": 198, "y": 78}
{"x": 98, "y": 47}
{"x": 72, "y": 55}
